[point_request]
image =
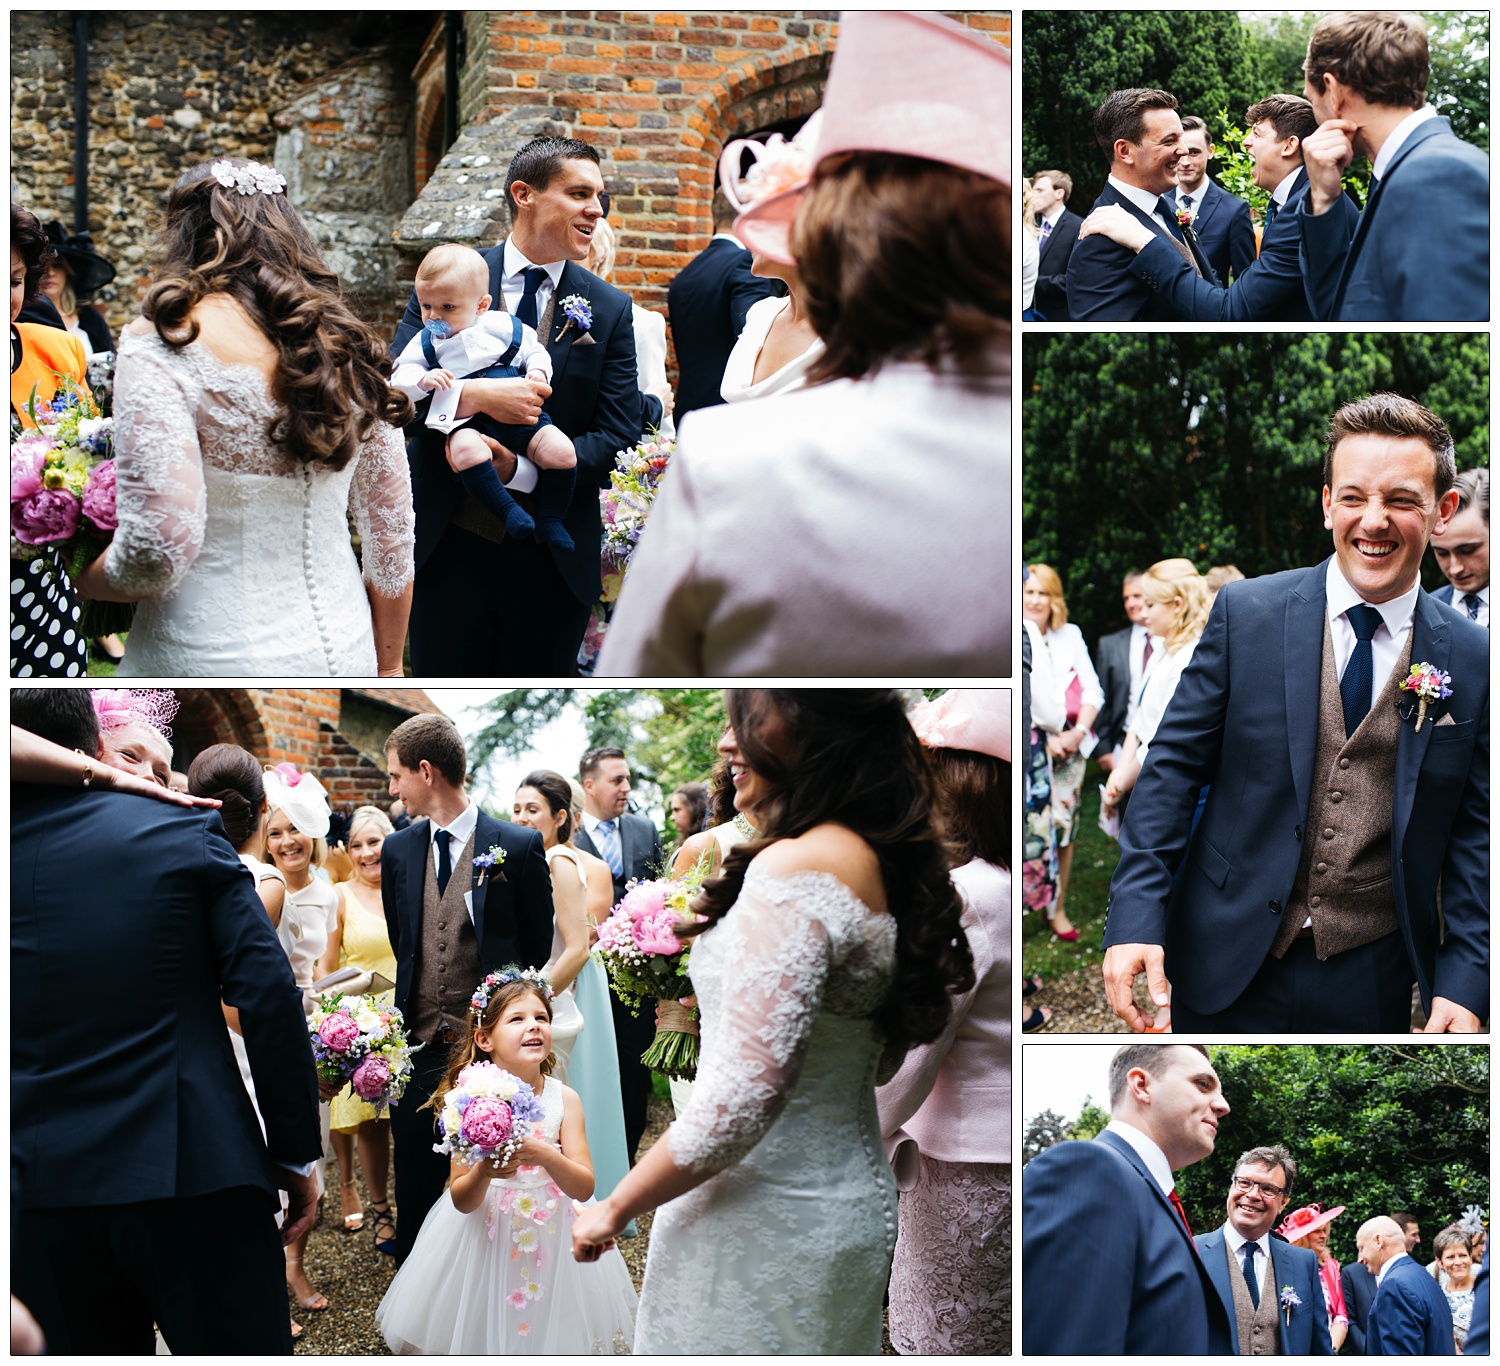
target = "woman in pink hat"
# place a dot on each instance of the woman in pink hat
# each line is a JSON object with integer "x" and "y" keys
{"x": 1308, "y": 1227}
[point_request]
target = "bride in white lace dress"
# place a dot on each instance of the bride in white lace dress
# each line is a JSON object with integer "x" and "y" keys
{"x": 252, "y": 418}
{"x": 833, "y": 940}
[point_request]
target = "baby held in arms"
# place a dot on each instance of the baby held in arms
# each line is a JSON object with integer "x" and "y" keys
{"x": 462, "y": 339}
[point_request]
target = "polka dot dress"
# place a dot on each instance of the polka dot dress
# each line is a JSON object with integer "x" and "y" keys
{"x": 45, "y": 641}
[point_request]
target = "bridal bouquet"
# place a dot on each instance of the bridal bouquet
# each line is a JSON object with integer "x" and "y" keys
{"x": 62, "y": 491}
{"x": 487, "y": 1115}
{"x": 633, "y": 486}
{"x": 358, "y": 1041}
{"x": 644, "y": 957}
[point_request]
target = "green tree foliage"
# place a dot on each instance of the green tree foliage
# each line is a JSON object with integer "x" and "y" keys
{"x": 516, "y": 718}
{"x": 1070, "y": 60}
{"x": 680, "y": 741}
{"x": 1092, "y": 1119}
{"x": 1042, "y": 1131}
{"x": 1373, "y": 1128}
{"x": 1139, "y": 447}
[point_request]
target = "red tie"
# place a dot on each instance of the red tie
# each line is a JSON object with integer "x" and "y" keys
{"x": 1182, "y": 1213}
{"x": 1146, "y": 653}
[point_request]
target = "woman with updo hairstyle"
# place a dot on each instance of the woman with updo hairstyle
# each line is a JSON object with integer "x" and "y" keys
{"x": 830, "y": 944}
{"x": 253, "y": 415}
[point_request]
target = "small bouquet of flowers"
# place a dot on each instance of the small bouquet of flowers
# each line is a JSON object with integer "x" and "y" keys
{"x": 359, "y": 1041}
{"x": 633, "y": 486}
{"x": 62, "y": 491}
{"x": 643, "y": 956}
{"x": 487, "y": 1115}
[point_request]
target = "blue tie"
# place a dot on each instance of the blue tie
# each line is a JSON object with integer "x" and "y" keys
{"x": 609, "y": 846}
{"x": 1471, "y": 605}
{"x": 1359, "y": 672}
{"x": 445, "y": 862}
{"x": 1272, "y": 209}
{"x": 526, "y": 311}
{"x": 1252, "y": 1282}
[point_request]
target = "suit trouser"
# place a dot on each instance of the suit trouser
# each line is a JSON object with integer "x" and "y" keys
{"x": 420, "y": 1174}
{"x": 207, "y": 1268}
{"x": 1367, "y": 989}
{"x": 481, "y": 609}
{"x": 633, "y": 1035}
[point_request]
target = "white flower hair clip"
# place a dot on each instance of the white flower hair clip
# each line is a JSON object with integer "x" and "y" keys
{"x": 251, "y": 178}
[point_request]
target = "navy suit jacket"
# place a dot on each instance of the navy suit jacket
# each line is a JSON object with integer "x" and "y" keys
{"x": 1359, "y": 1294}
{"x": 706, "y": 304}
{"x": 125, "y": 1088}
{"x": 595, "y": 400}
{"x": 1224, "y": 231}
{"x": 1051, "y": 296}
{"x": 1410, "y": 1316}
{"x": 1244, "y": 719}
{"x": 1100, "y": 285}
{"x": 1477, "y": 1344}
{"x": 1421, "y": 248}
{"x": 1147, "y": 1290}
{"x": 1112, "y": 661}
{"x": 512, "y": 911}
{"x": 1269, "y": 289}
{"x": 1303, "y": 1332}
{"x": 640, "y": 849}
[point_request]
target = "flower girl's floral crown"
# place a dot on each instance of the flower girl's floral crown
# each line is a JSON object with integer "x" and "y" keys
{"x": 479, "y": 1002}
{"x": 251, "y": 178}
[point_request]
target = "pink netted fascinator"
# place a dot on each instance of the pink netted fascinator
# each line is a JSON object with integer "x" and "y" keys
{"x": 116, "y": 707}
{"x": 301, "y": 796}
{"x": 965, "y": 718}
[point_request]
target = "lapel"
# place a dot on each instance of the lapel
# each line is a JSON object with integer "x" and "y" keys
{"x": 1430, "y": 640}
{"x": 627, "y": 846}
{"x": 1168, "y": 204}
{"x": 486, "y": 833}
{"x": 1216, "y": 1263}
{"x": 1208, "y": 206}
{"x": 582, "y": 840}
{"x": 416, "y": 879}
{"x": 1057, "y": 230}
{"x": 1281, "y": 1274}
{"x": 1130, "y": 1155}
{"x": 1306, "y": 607}
{"x": 571, "y": 281}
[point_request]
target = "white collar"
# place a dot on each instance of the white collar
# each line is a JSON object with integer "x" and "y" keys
{"x": 1148, "y": 203}
{"x": 729, "y": 237}
{"x": 1137, "y": 630}
{"x": 1059, "y": 210}
{"x": 592, "y": 822}
{"x": 1483, "y": 595}
{"x": 515, "y": 263}
{"x": 1380, "y": 1275}
{"x": 1155, "y": 1160}
{"x": 1396, "y": 614}
{"x": 1283, "y": 191}
{"x": 1195, "y": 197}
{"x": 1398, "y": 136}
{"x": 459, "y": 829}
{"x": 1237, "y": 1240}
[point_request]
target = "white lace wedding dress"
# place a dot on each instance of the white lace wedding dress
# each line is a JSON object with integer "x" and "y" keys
{"x": 788, "y": 1246}
{"x": 244, "y": 553}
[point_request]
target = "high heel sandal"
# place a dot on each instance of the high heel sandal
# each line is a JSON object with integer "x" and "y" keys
{"x": 383, "y": 1220}
{"x": 311, "y": 1302}
{"x": 352, "y": 1222}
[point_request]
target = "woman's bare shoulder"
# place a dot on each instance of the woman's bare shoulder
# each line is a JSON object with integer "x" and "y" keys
{"x": 833, "y": 849}
{"x": 693, "y": 848}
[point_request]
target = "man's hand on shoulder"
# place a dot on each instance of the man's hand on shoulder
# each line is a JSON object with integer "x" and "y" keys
{"x": 1448, "y": 1017}
{"x": 1122, "y": 962}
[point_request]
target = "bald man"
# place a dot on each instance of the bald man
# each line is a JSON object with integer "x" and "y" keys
{"x": 1410, "y": 1315}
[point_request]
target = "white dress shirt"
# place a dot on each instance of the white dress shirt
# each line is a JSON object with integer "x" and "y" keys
{"x": 1194, "y": 197}
{"x": 1283, "y": 192}
{"x": 1148, "y": 203}
{"x": 1389, "y": 640}
{"x": 1235, "y": 1240}
{"x": 1380, "y": 1275}
{"x": 512, "y": 287}
{"x": 1155, "y": 1160}
{"x": 1057, "y": 212}
{"x": 460, "y": 830}
{"x": 1483, "y": 619}
{"x": 1397, "y": 138}
{"x": 1163, "y": 675}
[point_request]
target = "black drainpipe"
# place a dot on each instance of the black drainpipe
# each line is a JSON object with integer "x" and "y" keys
{"x": 81, "y": 121}
{"x": 453, "y": 37}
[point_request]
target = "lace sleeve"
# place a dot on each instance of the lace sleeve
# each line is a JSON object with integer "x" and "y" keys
{"x": 760, "y": 1036}
{"x": 160, "y": 501}
{"x": 380, "y": 499}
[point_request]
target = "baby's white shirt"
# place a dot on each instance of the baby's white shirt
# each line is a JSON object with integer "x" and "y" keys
{"x": 466, "y": 353}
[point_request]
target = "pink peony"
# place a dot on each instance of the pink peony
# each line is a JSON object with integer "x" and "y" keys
{"x": 48, "y": 515}
{"x": 646, "y": 898}
{"x": 99, "y": 496}
{"x": 371, "y": 1078}
{"x": 653, "y": 933}
{"x": 487, "y": 1122}
{"x": 26, "y": 459}
{"x": 338, "y": 1031}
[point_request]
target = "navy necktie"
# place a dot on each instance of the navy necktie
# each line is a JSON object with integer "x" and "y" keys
{"x": 1471, "y": 605}
{"x": 1359, "y": 672}
{"x": 526, "y": 310}
{"x": 444, "y": 860}
{"x": 1252, "y": 1281}
{"x": 1272, "y": 209}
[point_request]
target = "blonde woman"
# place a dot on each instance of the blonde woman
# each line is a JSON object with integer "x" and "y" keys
{"x": 1177, "y": 603}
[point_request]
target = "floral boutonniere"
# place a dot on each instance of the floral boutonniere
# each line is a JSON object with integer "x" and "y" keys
{"x": 488, "y": 863}
{"x": 1185, "y": 217}
{"x": 1289, "y": 1301}
{"x": 1428, "y": 684}
{"x": 579, "y": 315}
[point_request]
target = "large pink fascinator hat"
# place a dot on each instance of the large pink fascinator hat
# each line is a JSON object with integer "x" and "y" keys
{"x": 302, "y": 798}
{"x": 919, "y": 85}
{"x": 965, "y": 718}
{"x": 773, "y": 187}
{"x": 153, "y": 707}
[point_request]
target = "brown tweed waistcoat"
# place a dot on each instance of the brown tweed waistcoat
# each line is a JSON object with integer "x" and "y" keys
{"x": 1254, "y": 1325}
{"x": 448, "y": 963}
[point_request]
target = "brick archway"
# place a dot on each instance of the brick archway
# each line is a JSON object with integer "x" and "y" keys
{"x": 212, "y": 716}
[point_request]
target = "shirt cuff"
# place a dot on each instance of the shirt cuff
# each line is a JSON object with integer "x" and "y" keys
{"x": 298, "y": 1168}
{"x": 525, "y": 477}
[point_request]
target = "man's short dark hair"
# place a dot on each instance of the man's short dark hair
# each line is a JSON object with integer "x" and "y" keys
{"x": 65, "y": 716}
{"x": 1061, "y": 180}
{"x": 433, "y": 738}
{"x": 723, "y": 211}
{"x": 541, "y": 159}
{"x": 1397, "y": 416}
{"x": 1273, "y": 1156}
{"x": 1149, "y": 1057}
{"x": 1123, "y": 115}
{"x": 589, "y": 764}
{"x": 1191, "y": 123}
{"x": 1474, "y": 491}
{"x": 1381, "y": 55}
{"x": 1290, "y": 116}
{"x": 1404, "y": 1217}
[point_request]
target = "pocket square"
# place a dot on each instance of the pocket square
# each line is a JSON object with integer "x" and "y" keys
{"x": 1446, "y": 719}
{"x": 583, "y": 339}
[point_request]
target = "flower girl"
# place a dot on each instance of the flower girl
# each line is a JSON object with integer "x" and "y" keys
{"x": 492, "y": 1271}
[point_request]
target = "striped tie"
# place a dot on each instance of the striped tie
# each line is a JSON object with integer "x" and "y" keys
{"x": 609, "y": 846}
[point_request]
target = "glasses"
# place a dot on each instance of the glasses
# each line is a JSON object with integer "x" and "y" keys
{"x": 1244, "y": 1183}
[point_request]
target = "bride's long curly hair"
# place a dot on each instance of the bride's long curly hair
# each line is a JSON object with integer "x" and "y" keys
{"x": 332, "y": 377}
{"x": 849, "y": 756}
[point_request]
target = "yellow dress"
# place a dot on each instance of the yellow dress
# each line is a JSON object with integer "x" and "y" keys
{"x": 367, "y": 946}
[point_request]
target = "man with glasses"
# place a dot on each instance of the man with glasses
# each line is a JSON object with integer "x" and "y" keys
{"x": 1269, "y": 1288}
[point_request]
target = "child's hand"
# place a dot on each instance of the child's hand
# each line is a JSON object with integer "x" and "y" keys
{"x": 538, "y": 376}
{"x": 533, "y": 1152}
{"x": 436, "y": 379}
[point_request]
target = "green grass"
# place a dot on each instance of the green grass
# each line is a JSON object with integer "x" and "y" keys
{"x": 99, "y": 667}
{"x": 1094, "y": 859}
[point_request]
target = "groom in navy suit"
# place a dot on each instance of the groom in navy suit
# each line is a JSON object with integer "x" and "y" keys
{"x": 1421, "y": 248}
{"x": 1113, "y": 1202}
{"x": 1307, "y": 897}
{"x": 451, "y": 921}
{"x": 1410, "y": 1316}
{"x": 1140, "y": 134}
{"x": 484, "y": 602}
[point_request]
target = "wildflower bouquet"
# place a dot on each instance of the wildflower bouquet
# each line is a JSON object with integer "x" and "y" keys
{"x": 358, "y": 1041}
{"x": 62, "y": 491}
{"x": 487, "y": 1115}
{"x": 633, "y": 486}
